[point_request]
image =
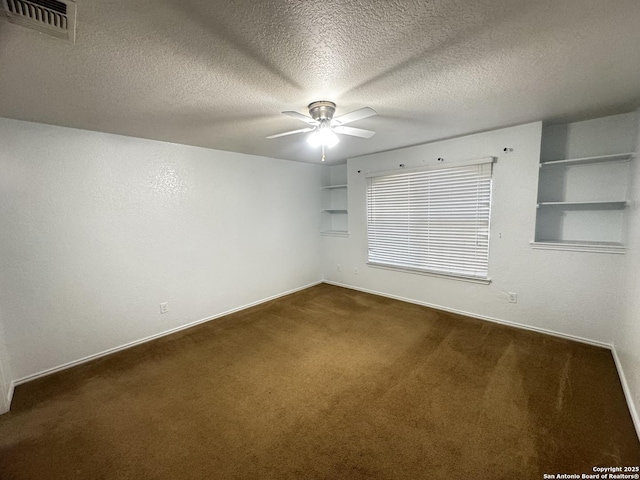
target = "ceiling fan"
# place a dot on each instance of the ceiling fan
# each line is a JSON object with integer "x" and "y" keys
{"x": 324, "y": 127}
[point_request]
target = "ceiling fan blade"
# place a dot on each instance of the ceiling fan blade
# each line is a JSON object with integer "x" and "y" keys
{"x": 353, "y": 116}
{"x": 302, "y": 117}
{"x": 302, "y": 130}
{"x": 356, "y": 132}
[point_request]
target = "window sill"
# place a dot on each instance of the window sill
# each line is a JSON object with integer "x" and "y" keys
{"x": 461, "y": 278}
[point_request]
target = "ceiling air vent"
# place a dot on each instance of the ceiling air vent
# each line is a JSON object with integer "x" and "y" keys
{"x": 53, "y": 17}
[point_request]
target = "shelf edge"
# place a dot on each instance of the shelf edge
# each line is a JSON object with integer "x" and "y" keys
{"x": 612, "y": 205}
{"x": 615, "y": 157}
{"x": 579, "y": 247}
{"x": 334, "y": 233}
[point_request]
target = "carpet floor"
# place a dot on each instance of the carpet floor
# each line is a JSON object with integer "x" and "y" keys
{"x": 326, "y": 383}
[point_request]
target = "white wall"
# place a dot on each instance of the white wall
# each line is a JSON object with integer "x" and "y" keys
{"x": 5, "y": 386}
{"x": 627, "y": 337}
{"x": 572, "y": 293}
{"x": 98, "y": 229}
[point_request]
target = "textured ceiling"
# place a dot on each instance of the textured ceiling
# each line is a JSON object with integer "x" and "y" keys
{"x": 217, "y": 73}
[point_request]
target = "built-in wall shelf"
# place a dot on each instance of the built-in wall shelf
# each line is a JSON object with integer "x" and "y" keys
{"x": 615, "y": 205}
{"x": 335, "y": 218}
{"x": 618, "y": 157}
{"x": 335, "y": 233}
{"x": 582, "y": 199}
{"x": 581, "y": 246}
{"x": 334, "y": 210}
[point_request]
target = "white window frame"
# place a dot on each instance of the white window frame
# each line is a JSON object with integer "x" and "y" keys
{"x": 411, "y": 264}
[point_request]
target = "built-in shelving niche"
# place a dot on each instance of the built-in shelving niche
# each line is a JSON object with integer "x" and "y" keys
{"x": 335, "y": 212}
{"x": 582, "y": 200}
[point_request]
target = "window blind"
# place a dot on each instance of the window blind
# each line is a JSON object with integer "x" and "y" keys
{"x": 434, "y": 221}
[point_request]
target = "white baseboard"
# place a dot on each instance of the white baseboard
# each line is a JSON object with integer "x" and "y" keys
{"x": 12, "y": 388}
{"x": 5, "y": 404}
{"x": 109, "y": 351}
{"x": 480, "y": 317}
{"x": 627, "y": 392}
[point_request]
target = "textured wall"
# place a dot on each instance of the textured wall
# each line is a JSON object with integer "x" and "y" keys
{"x": 5, "y": 373}
{"x": 627, "y": 338}
{"x": 98, "y": 229}
{"x": 573, "y": 293}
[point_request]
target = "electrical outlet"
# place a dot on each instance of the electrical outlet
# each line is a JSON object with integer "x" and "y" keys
{"x": 339, "y": 267}
{"x": 355, "y": 270}
{"x": 513, "y": 297}
{"x": 164, "y": 307}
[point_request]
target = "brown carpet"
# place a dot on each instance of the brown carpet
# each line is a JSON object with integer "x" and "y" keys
{"x": 327, "y": 383}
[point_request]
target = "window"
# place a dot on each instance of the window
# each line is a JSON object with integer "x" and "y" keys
{"x": 433, "y": 220}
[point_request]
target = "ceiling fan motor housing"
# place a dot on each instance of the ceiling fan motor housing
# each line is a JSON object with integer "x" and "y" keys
{"x": 322, "y": 110}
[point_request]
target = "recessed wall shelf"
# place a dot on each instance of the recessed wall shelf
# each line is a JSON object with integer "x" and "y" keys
{"x": 333, "y": 210}
{"x": 335, "y": 233}
{"x": 582, "y": 199}
{"x": 585, "y": 205}
{"x": 618, "y": 157}
{"x": 335, "y": 218}
{"x": 581, "y": 246}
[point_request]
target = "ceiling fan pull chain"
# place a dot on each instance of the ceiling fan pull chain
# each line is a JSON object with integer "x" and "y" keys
{"x": 323, "y": 152}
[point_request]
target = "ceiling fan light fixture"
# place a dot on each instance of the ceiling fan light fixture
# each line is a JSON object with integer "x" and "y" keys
{"x": 324, "y": 128}
{"x": 323, "y": 137}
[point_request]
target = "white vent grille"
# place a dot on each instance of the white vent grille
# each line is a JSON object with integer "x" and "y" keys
{"x": 53, "y": 17}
